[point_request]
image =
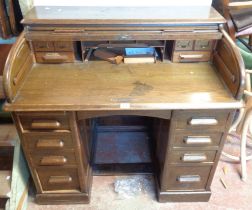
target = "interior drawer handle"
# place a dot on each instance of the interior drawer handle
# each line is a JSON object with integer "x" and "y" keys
{"x": 50, "y": 143}
{"x": 45, "y": 124}
{"x": 54, "y": 57}
{"x": 191, "y": 56}
{"x": 203, "y": 121}
{"x": 194, "y": 158}
{"x": 60, "y": 179}
{"x": 198, "y": 140}
{"x": 188, "y": 178}
{"x": 53, "y": 161}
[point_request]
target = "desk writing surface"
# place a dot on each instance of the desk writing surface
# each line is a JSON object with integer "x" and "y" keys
{"x": 125, "y": 15}
{"x": 101, "y": 85}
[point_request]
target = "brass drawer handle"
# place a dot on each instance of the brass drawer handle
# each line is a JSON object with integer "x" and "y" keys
{"x": 203, "y": 121}
{"x": 45, "y": 124}
{"x": 53, "y": 161}
{"x": 50, "y": 143}
{"x": 197, "y": 140}
{"x": 191, "y": 56}
{"x": 60, "y": 180}
{"x": 194, "y": 158}
{"x": 188, "y": 178}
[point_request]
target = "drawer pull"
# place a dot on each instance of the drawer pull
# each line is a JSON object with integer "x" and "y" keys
{"x": 188, "y": 178}
{"x": 45, "y": 124}
{"x": 190, "y": 56}
{"x": 60, "y": 179}
{"x": 203, "y": 121}
{"x": 194, "y": 158}
{"x": 54, "y": 57}
{"x": 53, "y": 161}
{"x": 197, "y": 140}
{"x": 50, "y": 143}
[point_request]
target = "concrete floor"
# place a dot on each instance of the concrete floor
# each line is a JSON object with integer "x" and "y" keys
{"x": 237, "y": 195}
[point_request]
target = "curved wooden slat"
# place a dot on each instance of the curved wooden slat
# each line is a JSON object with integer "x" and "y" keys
{"x": 230, "y": 65}
{"x": 18, "y": 63}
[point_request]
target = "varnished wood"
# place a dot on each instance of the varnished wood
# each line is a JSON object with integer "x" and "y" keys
{"x": 232, "y": 71}
{"x": 49, "y": 121}
{"x": 183, "y": 118}
{"x": 58, "y": 179}
{"x": 16, "y": 69}
{"x": 179, "y": 124}
{"x": 4, "y": 48}
{"x": 62, "y": 198}
{"x": 4, "y": 21}
{"x": 172, "y": 183}
{"x": 127, "y": 35}
{"x": 121, "y": 15}
{"x": 192, "y": 156}
{"x": 183, "y": 110}
{"x": 149, "y": 113}
{"x": 42, "y": 141}
{"x": 184, "y": 196}
{"x": 139, "y": 86}
{"x": 181, "y": 137}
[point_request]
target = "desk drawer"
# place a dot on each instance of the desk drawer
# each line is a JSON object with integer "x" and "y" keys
{"x": 184, "y": 45}
{"x": 54, "y": 158}
{"x": 48, "y": 141}
{"x": 201, "y": 45}
{"x": 186, "y": 178}
{"x": 183, "y": 157}
{"x": 191, "y": 56}
{"x": 207, "y": 119}
{"x": 190, "y": 138}
{"x": 64, "y": 46}
{"x": 44, "y": 121}
{"x": 55, "y": 57}
{"x": 43, "y": 46}
{"x": 58, "y": 179}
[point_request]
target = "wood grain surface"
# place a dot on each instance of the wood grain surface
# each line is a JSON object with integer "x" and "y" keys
{"x": 100, "y": 85}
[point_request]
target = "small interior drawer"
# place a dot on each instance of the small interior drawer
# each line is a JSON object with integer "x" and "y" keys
{"x": 184, "y": 45}
{"x": 209, "y": 119}
{"x": 41, "y": 121}
{"x": 191, "y": 56}
{"x": 192, "y": 138}
{"x": 42, "y": 46}
{"x": 52, "y": 158}
{"x": 58, "y": 178}
{"x": 55, "y": 57}
{"x": 48, "y": 141}
{"x": 203, "y": 45}
{"x": 197, "y": 156}
{"x": 186, "y": 178}
{"x": 64, "y": 46}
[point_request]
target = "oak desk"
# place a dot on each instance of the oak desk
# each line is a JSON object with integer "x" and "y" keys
{"x": 65, "y": 102}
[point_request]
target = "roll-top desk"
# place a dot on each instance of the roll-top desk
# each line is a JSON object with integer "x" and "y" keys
{"x": 63, "y": 99}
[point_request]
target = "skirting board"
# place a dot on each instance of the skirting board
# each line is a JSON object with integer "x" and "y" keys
{"x": 201, "y": 196}
{"x": 59, "y": 198}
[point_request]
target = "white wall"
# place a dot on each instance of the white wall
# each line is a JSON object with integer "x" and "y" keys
{"x": 122, "y": 2}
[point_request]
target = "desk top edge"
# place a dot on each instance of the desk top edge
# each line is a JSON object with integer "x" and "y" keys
{"x": 122, "y": 15}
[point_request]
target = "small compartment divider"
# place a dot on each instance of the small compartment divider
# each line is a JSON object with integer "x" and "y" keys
{"x": 118, "y": 46}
